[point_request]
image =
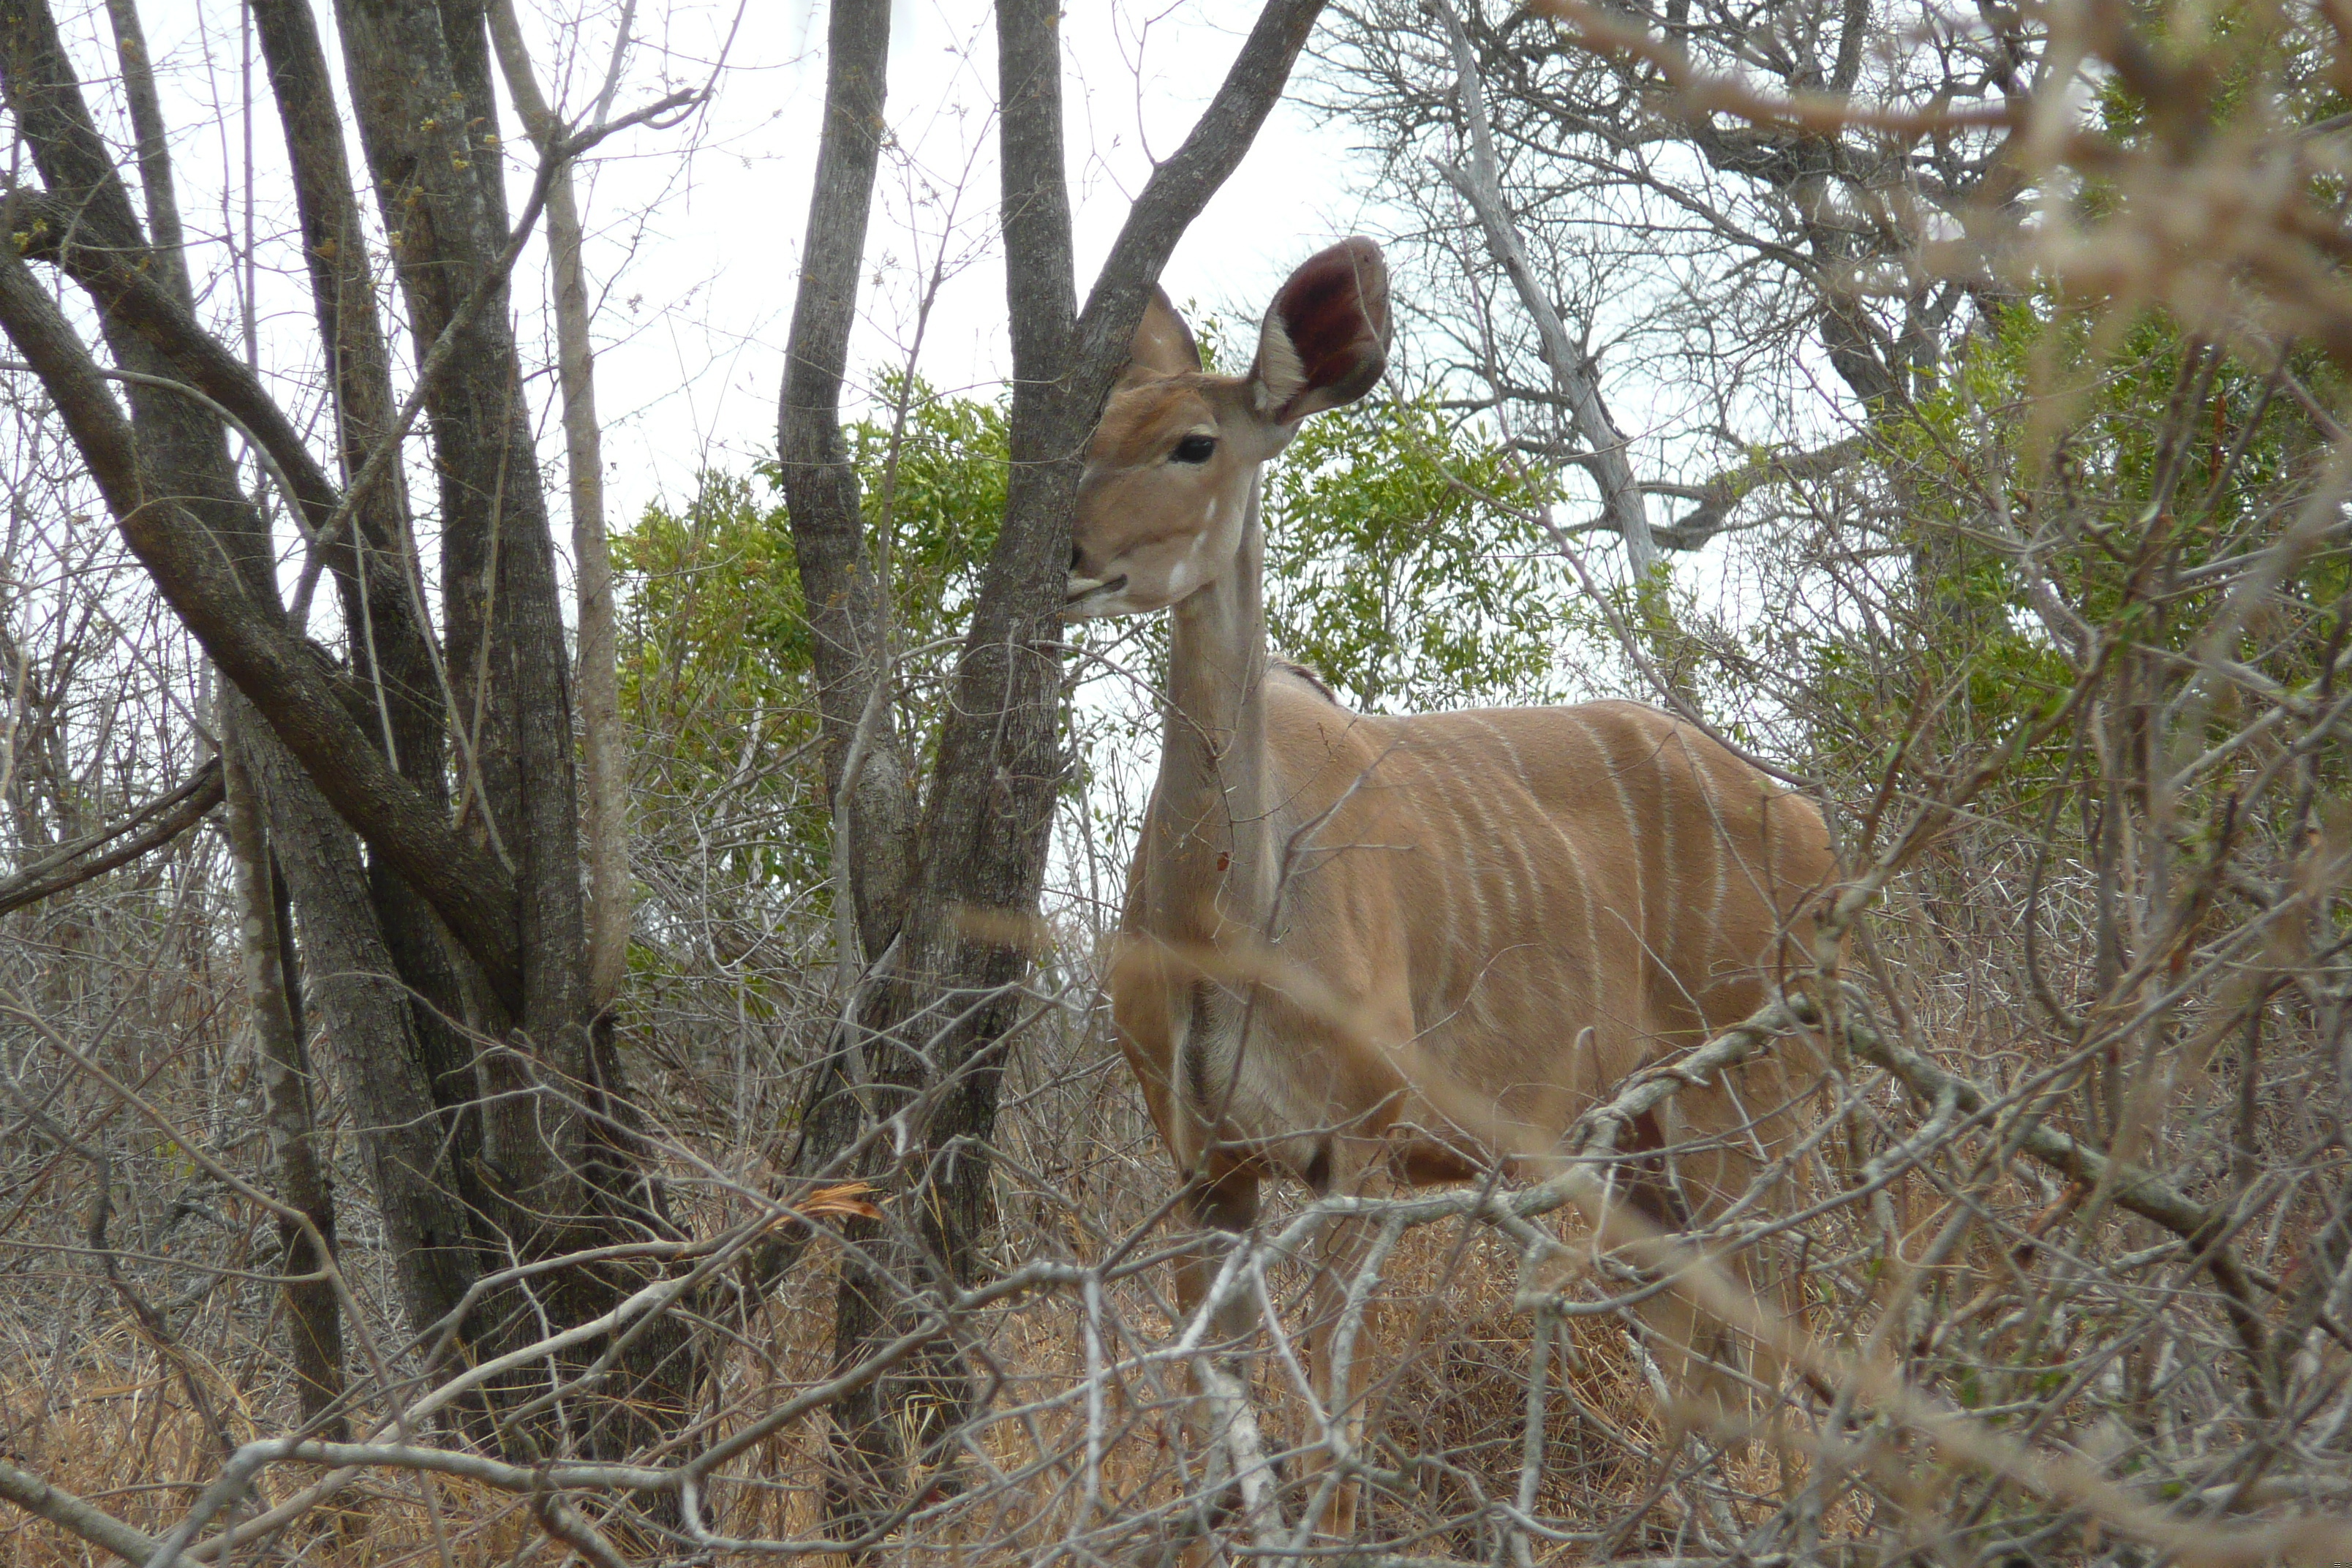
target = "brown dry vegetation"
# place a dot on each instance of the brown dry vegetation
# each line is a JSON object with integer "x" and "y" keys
{"x": 2057, "y": 634}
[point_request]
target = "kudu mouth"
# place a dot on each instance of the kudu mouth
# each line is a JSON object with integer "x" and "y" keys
{"x": 1081, "y": 589}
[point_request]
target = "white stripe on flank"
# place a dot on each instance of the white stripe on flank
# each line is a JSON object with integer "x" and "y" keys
{"x": 1487, "y": 865}
{"x": 1625, "y": 809}
{"x": 1510, "y": 750}
{"x": 1724, "y": 827}
{"x": 1520, "y": 817}
{"x": 1669, "y": 862}
{"x": 1467, "y": 856}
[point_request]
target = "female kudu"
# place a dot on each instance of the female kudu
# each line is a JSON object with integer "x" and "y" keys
{"x": 1365, "y": 950}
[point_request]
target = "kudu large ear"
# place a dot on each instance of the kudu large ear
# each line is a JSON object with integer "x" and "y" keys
{"x": 1325, "y": 341}
{"x": 1163, "y": 344}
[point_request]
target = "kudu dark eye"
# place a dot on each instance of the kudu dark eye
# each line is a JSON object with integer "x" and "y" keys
{"x": 1194, "y": 450}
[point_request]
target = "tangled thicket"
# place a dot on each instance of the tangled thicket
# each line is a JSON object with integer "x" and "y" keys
{"x": 2048, "y": 605}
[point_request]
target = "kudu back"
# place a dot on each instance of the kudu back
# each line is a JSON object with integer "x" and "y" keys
{"x": 1363, "y": 951}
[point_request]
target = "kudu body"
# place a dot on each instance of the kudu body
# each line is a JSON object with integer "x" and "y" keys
{"x": 1363, "y": 950}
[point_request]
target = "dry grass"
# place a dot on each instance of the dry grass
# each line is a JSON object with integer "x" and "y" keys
{"x": 2184, "y": 1009}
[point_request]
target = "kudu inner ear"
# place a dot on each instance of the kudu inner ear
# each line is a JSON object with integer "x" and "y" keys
{"x": 1325, "y": 341}
{"x": 1163, "y": 344}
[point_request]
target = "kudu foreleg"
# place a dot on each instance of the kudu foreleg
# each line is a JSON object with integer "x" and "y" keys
{"x": 1346, "y": 1270}
{"x": 1235, "y": 1479}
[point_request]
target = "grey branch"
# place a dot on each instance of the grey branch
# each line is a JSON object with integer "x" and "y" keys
{"x": 66, "y": 1511}
{"x": 149, "y": 828}
{"x": 1573, "y": 371}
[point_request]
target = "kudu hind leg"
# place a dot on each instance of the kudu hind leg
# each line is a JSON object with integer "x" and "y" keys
{"x": 1717, "y": 1374}
{"x": 1220, "y": 1211}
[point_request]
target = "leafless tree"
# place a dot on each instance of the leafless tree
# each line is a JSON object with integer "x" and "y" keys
{"x": 449, "y": 965}
{"x": 2048, "y": 616}
{"x": 1758, "y": 288}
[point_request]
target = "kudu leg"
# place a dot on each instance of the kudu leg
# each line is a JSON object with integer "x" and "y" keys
{"x": 1339, "y": 1254}
{"x": 1707, "y": 1363}
{"x": 1220, "y": 1429}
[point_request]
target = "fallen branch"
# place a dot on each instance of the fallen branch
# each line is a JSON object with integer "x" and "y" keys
{"x": 68, "y": 1513}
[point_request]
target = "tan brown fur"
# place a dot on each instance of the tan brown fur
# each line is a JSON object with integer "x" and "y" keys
{"x": 1362, "y": 950}
{"x": 1480, "y": 887}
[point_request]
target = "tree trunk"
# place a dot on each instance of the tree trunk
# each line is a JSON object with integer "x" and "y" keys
{"x": 482, "y": 924}
{"x": 604, "y": 763}
{"x": 314, "y": 1322}
{"x": 848, "y": 612}
{"x": 560, "y": 1162}
{"x": 363, "y": 1010}
{"x": 414, "y": 74}
{"x": 930, "y": 1031}
{"x": 395, "y": 657}
{"x": 174, "y": 447}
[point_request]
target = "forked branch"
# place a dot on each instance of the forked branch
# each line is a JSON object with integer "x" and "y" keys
{"x": 144, "y": 831}
{"x": 1574, "y": 373}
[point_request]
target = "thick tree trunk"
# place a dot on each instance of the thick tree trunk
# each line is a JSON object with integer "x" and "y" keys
{"x": 413, "y": 70}
{"x": 418, "y": 83}
{"x": 606, "y": 763}
{"x": 364, "y": 1009}
{"x": 568, "y": 1178}
{"x": 396, "y": 659}
{"x": 931, "y": 1028}
{"x": 314, "y": 1321}
{"x": 561, "y": 1167}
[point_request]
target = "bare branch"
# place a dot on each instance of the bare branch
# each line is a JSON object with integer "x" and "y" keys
{"x": 282, "y": 676}
{"x": 151, "y": 827}
{"x": 62, "y": 1508}
{"x": 1574, "y": 372}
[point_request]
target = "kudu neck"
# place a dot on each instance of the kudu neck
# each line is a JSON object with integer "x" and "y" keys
{"x": 1213, "y": 796}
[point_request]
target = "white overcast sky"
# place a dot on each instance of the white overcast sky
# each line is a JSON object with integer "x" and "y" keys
{"x": 697, "y": 230}
{"x": 690, "y": 375}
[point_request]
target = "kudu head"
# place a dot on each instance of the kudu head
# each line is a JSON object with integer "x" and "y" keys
{"x": 1172, "y": 474}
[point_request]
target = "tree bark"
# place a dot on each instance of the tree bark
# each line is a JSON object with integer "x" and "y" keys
{"x": 165, "y": 477}
{"x": 287, "y": 679}
{"x": 314, "y": 1318}
{"x": 932, "y": 1026}
{"x": 560, "y": 1157}
{"x": 848, "y": 609}
{"x": 397, "y": 658}
{"x": 414, "y": 71}
{"x": 605, "y": 762}
{"x": 78, "y": 171}
{"x": 363, "y": 1008}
